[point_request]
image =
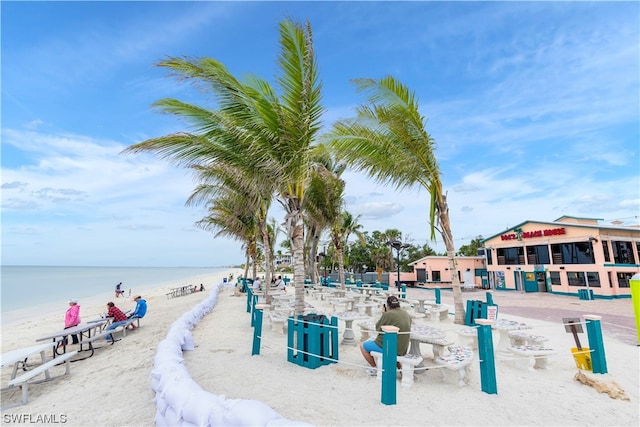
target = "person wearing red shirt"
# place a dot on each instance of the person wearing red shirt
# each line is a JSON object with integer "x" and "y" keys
{"x": 119, "y": 317}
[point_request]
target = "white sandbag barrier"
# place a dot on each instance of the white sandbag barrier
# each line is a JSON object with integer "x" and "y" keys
{"x": 180, "y": 401}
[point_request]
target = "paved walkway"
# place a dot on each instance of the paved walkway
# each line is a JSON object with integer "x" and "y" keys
{"x": 618, "y": 318}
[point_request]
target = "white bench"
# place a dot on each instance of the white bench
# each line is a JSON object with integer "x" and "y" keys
{"x": 123, "y": 327}
{"x": 442, "y": 312}
{"x": 469, "y": 337}
{"x": 278, "y": 322}
{"x": 459, "y": 359}
{"x": 522, "y": 338}
{"x": 407, "y": 363}
{"x": 439, "y": 344}
{"x": 23, "y": 380}
{"x": 538, "y": 352}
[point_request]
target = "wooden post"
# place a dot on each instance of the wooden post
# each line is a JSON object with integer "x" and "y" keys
{"x": 594, "y": 333}
{"x": 389, "y": 359}
{"x": 485, "y": 353}
{"x": 437, "y": 295}
{"x": 249, "y": 298}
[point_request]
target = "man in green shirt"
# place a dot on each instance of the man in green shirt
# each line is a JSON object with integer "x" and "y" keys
{"x": 395, "y": 316}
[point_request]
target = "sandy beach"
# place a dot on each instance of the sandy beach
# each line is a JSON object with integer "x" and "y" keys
{"x": 113, "y": 388}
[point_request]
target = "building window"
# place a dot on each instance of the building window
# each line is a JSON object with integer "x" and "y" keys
{"x": 594, "y": 279}
{"x": 623, "y": 253}
{"x": 576, "y": 278}
{"x": 538, "y": 254}
{"x": 436, "y": 276}
{"x": 555, "y": 278}
{"x": 605, "y": 249}
{"x": 510, "y": 256}
{"x": 489, "y": 256}
{"x": 623, "y": 279}
{"x": 573, "y": 253}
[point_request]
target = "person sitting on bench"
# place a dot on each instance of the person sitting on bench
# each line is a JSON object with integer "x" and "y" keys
{"x": 139, "y": 311}
{"x": 119, "y": 318}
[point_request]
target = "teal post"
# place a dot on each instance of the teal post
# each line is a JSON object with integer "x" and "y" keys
{"x": 485, "y": 353}
{"x": 249, "y": 294}
{"x": 257, "y": 329}
{"x": 437, "y": 295}
{"x": 489, "y": 298}
{"x": 254, "y": 301}
{"x": 403, "y": 292}
{"x": 594, "y": 333}
{"x": 389, "y": 355}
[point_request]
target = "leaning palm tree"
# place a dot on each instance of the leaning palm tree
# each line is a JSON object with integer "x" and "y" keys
{"x": 228, "y": 181}
{"x": 388, "y": 141}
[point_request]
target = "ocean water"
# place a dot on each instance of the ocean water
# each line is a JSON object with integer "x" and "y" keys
{"x": 27, "y": 286}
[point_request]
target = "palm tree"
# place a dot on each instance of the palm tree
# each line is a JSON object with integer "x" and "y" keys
{"x": 388, "y": 141}
{"x": 323, "y": 201}
{"x": 342, "y": 228}
{"x": 254, "y": 129}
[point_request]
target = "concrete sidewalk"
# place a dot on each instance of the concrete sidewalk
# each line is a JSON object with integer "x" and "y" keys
{"x": 618, "y": 319}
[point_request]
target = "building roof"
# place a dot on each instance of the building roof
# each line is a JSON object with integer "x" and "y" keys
{"x": 567, "y": 220}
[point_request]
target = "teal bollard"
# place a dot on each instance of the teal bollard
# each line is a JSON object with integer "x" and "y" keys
{"x": 489, "y": 298}
{"x": 403, "y": 292}
{"x": 437, "y": 295}
{"x": 389, "y": 358}
{"x": 249, "y": 294}
{"x": 257, "y": 329}
{"x": 596, "y": 345}
{"x": 485, "y": 353}
{"x": 254, "y": 301}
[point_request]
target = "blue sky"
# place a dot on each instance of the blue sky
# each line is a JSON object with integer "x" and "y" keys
{"x": 534, "y": 107}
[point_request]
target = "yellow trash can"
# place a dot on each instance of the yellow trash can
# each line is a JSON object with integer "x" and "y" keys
{"x": 582, "y": 358}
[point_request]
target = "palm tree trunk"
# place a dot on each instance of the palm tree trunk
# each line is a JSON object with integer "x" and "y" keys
{"x": 267, "y": 260}
{"x": 295, "y": 227}
{"x": 447, "y": 236}
{"x": 340, "y": 266}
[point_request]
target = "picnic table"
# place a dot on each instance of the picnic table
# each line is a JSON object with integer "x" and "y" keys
{"x": 87, "y": 333}
{"x": 348, "y": 337}
{"x": 504, "y": 326}
{"x": 181, "y": 291}
{"x": 19, "y": 356}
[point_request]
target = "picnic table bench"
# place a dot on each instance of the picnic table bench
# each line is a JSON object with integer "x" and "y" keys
{"x": 23, "y": 380}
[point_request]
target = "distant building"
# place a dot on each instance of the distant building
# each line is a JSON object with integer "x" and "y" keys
{"x": 433, "y": 271}
{"x": 564, "y": 256}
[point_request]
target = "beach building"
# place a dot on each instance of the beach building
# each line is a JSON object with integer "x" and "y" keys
{"x": 433, "y": 272}
{"x": 565, "y": 256}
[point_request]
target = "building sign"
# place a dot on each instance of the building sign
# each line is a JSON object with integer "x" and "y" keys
{"x": 519, "y": 234}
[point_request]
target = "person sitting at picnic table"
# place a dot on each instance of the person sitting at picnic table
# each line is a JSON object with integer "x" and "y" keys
{"x": 119, "y": 318}
{"x": 393, "y": 315}
{"x": 256, "y": 284}
{"x": 139, "y": 311}
{"x": 279, "y": 283}
{"x": 72, "y": 318}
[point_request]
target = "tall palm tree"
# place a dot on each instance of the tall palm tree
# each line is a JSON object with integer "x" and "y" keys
{"x": 254, "y": 128}
{"x": 388, "y": 141}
